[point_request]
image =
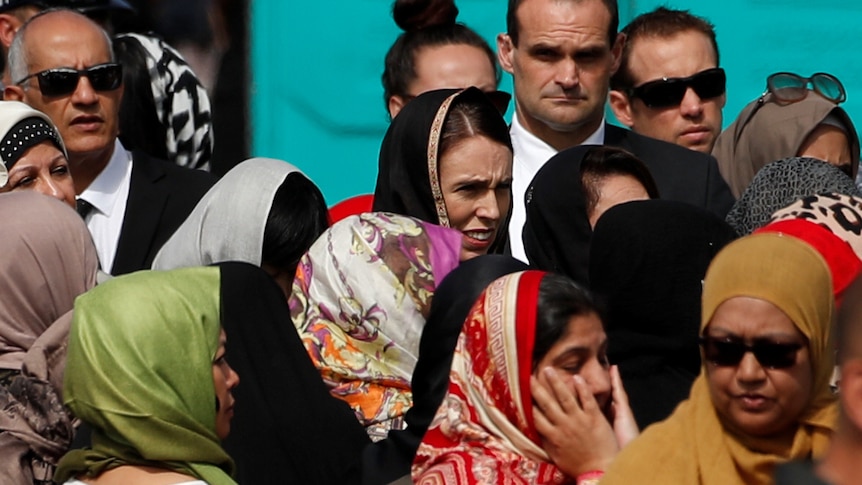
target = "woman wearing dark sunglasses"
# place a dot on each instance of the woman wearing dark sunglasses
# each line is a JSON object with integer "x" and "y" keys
{"x": 763, "y": 395}
{"x": 796, "y": 116}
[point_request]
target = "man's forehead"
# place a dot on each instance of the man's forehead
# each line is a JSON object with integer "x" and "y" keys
{"x": 553, "y": 21}
{"x": 68, "y": 43}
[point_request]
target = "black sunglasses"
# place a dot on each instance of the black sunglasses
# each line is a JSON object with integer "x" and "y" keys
{"x": 669, "y": 91}
{"x": 790, "y": 87}
{"x": 728, "y": 351}
{"x": 64, "y": 80}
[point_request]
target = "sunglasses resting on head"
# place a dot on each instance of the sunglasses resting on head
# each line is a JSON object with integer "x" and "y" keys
{"x": 669, "y": 91}
{"x": 64, "y": 80}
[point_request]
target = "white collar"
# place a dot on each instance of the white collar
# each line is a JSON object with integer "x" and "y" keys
{"x": 526, "y": 142}
{"x": 104, "y": 191}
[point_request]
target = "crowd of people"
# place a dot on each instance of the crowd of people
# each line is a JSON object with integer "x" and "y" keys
{"x": 555, "y": 300}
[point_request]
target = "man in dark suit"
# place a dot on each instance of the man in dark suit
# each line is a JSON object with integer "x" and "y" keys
{"x": 61, "y": 63}
{"x": 561, "y": 54}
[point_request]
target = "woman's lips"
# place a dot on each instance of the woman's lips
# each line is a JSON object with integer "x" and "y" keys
{"x": 753, "y": 402}
{"x": 478, "y": 239}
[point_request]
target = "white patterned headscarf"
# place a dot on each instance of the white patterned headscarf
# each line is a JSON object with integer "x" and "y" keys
{"x": 182, "y": 103}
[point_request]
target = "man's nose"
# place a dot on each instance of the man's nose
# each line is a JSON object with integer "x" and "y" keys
{"x": 691, "y": 105}
{"x": 84, "y": 92}
{"x": 568, "y": 74}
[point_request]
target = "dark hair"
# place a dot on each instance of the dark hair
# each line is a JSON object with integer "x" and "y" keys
{"x": 601, "y": 162}
{"x": 296, "y": 219}
{"x": 512, "y": 27}
{"x": 426, "y": 23}
{"x": 140, "y": 127}
{"x": 473, "y": 114}
{"x": 560, "y": 299}
{"x": 660, "y": 23}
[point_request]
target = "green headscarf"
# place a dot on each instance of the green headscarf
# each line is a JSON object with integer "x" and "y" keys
{"x": 139, "y": 371}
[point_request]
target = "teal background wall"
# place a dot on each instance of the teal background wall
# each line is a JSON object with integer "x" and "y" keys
{"x": 317, "y": 100}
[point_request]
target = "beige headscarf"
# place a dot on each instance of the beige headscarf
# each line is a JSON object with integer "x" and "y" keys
{"x": 47, "y": 260}
{"x": 693, "y": 446}
{"x": 767, "y": 130}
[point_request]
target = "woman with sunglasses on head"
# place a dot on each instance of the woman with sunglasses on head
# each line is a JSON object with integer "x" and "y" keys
{"x": 447, "y": 160}
{"x": 436, "y": 52}
{"x": 789, "y": 120}
{"x": 32, "y": 154}
{"x": 531, "y": 398}
{"x": 763, "y": 395}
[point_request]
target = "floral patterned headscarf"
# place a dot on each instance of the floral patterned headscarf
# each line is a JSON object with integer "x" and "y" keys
{"x": 359, "y": 302}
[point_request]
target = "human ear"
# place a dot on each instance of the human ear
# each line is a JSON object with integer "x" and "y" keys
{"x": 617, "y": 52}
{"x": 13, "y": 93}
{"x": 505, "y": 50}
{"x": 621, "y": 106}
{"x": 396, "y": 104}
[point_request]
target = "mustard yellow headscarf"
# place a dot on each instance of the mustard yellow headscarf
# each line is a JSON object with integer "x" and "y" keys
{"x": 692, "y": 445}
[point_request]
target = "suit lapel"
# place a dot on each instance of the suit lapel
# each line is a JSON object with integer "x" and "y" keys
{"x": 144, "y": 207}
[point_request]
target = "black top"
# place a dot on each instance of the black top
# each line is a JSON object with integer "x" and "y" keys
{"x": 286, "y": 428}
{"x": 648, "y": 261}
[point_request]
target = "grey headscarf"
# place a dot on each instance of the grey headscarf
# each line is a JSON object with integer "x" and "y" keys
{"x": 781, "y": 183}
{"x": 229, "y": 221}
{"x": 767, "y": 130}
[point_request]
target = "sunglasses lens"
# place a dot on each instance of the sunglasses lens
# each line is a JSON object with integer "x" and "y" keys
{"x": 787, "y": 87}
{"x": 105, "y": 78}
{"x": 829, "y": 87}
{"x": 58, "y": 82}
{"x": 723, "y": 352}
{"x": 661, "y": 94}
{"x": 775, "y": 355}
{"x": 709, "y": 84}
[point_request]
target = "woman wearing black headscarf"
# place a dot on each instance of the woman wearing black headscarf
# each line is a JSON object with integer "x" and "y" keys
{"x": 447, "y": 159}
{"x": 392, "y": 458}
{"x": 286, "y": 428}
{"x": 648, "y": 261}
{"x": 569, "y": 193}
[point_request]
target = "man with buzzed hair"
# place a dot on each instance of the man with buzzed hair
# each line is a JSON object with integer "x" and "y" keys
{"x": 561, "y": 54}
{"x": 841, "y": 463}
{"x": 62, "y": 64}
{"x": 669, "y": 85}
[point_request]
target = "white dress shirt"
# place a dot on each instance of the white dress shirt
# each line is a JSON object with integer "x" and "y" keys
{"x": 530, "y": 154}
{"x": 108, "y": 194}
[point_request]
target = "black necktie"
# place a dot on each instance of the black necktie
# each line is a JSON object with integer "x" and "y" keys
{"x": 83, "y": 207}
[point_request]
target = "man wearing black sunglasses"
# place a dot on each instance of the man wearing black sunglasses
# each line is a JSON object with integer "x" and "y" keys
{"x": 669, "y": 85}
{"x": 62, "y": 64}
{"x": 561, "y": 54}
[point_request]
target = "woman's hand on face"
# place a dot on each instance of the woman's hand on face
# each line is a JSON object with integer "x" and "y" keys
{"x": 625, "y": 426}
{"x": 575, "y": 432}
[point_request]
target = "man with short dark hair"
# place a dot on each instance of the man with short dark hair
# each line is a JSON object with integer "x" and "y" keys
{"x": 62, "y": 64}
{"x": 669, "y": 85}
{"x": 561, "y": 54}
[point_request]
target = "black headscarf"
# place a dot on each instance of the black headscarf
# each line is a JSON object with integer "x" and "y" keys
{"x": 557, "y": 231}
{"x": 391, "y": 458}
{"x": 648, "y": 261}
{"x": 409, "y": 160}
{"x": 287, "y": 428}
